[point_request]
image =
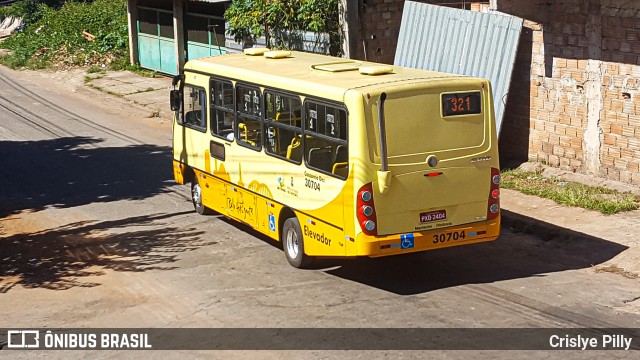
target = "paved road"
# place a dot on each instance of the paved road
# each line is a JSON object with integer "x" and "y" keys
{"x": 94, "y": 233}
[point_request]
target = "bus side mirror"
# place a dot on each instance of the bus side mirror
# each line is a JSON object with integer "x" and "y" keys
{"x": 174, "y": 100}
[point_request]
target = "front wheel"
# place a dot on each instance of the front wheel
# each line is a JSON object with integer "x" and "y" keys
{"x": 196, "y": 198}
{"x": 293, "y": 244}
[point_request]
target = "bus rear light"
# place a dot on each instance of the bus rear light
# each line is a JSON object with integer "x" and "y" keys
{"x": 366, "y": 196}
{"x": 493, "y": 204}
{"x": 369, "y": 225}
{"x": 495, "y": 193}
{"x": 366, "y": 212}
{"x": 495, "y": 179}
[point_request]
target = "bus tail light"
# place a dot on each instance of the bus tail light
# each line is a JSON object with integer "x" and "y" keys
{"x": 366, "y": 211}
{"x": 493, "y": 205}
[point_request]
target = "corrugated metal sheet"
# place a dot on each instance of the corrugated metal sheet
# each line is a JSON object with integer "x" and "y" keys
{"x": 461, "y": 42}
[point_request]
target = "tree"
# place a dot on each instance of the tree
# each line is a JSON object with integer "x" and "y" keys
{"x": 284, "y": 22}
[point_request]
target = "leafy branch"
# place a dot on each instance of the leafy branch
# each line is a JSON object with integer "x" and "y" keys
{"x": 284, "y": 22}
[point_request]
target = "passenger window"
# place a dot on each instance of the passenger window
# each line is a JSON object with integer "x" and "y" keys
{"x": 195, "y": 103}
{"x": 283, "y": 126}
{"x": 221, "y": 109}
{"x": 249, "y": 111}
{"x": 325, "y": 139}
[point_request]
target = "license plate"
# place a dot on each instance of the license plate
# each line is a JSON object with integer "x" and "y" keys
{"x": 433, "y": 216}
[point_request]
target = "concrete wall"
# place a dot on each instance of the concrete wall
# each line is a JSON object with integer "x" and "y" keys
{"x": 581, "y": 62}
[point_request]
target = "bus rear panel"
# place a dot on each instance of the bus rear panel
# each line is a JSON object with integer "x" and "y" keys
{"x": 443, "y": 166}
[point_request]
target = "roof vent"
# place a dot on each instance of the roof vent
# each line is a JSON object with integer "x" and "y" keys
{"x": 279, "y": 54}
{"x": 255, "y": 51}
{"x": 376, "y": 70}
{"x": 337, "y": 66}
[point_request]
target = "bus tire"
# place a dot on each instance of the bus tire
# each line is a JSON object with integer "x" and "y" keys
{"x": 196, "y": 198}
{"x": 293, "y": 244}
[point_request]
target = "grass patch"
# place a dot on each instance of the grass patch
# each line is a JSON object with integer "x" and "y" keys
{"x": 604, "y": 200}
{"x": 94, "y": 69}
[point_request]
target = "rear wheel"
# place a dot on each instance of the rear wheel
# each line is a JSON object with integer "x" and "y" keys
{"x": 293, "y": 244}
{"x": 196, "y": 198}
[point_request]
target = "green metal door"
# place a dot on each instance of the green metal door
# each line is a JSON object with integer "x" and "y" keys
{"x": 156, "y": 46}
{"x": 205, "y": 36}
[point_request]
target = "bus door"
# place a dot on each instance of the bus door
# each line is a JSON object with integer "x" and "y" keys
{"x": 190, "y": 138}
{"x": 245, "y": 139}
{"x": 221, "y": 115}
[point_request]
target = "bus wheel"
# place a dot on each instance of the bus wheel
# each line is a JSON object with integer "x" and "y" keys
{"x": 196, "y": 198}
{"x": 293, "y": 244}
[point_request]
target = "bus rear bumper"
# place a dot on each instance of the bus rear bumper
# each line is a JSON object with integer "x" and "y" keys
{"x": 376, "y": 246}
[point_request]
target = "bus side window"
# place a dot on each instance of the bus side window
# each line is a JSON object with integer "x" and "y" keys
{"x": 221, "y": 109}
{"x": 249, "y": 113}
{"x": 195, "y": 103}
{"x": 282, "y": 118}
{"x": 325, "y": 140}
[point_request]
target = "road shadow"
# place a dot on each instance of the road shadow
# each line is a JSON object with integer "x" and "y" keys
{"x": 73, "y": 171}
{"x": 526, "y": 248}
{"x": 58, "y": 259}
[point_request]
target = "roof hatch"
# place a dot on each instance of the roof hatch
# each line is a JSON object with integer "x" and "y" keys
{"x": 337, "y": 66}
{"x": 350, "y": 65}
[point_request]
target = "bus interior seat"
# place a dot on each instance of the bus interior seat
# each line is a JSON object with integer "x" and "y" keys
{"x": 342, "y": 155}
{"x": 285, "y": 140}
{"x": 320, "y": 158}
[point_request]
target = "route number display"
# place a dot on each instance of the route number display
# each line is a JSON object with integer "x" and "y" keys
{"x": 461, "y": 104}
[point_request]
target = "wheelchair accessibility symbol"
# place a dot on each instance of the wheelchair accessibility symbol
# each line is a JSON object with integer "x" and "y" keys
{"x": 406, "y": 241}
{"x": 272, "y": 222}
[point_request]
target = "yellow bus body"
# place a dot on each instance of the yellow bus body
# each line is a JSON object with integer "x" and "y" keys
{"x": 441, "y": 151}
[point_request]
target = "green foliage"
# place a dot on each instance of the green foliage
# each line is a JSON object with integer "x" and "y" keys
{"x": 57, "y": 36}
{"x": 29, "y": 10}
{"x": 283, "y": 22}
{"x": 605, "y": 200}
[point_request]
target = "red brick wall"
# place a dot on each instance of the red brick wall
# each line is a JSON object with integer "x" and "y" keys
{"x": 584, "y": 71}
{"x": 378, "y": 24}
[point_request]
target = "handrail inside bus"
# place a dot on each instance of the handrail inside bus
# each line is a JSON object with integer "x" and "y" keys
{"x": 384, "y": 178}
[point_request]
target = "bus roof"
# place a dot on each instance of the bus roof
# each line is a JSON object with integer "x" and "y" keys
{"x": 311, "y": 74}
